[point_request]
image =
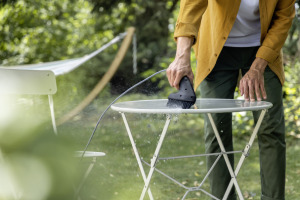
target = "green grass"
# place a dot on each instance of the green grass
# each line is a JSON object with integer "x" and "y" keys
{"x": 117, "y": 177}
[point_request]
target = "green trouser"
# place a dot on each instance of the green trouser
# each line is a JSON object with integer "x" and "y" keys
{"x": 221, "y": 83}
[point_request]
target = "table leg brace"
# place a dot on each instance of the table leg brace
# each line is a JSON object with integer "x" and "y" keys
{"x": 138, "y": 158}
{"x": 86, "y": 174}
{"x": 246, "y": 151}
{"x": 155, "y": 156}
{"x": 233, "y": 177}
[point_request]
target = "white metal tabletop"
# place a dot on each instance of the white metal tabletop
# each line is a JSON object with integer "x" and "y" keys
{"x": 159, "y": 106}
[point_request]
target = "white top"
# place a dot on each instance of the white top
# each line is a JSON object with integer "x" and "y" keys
{"x": 201, "y": 106}
{"x": 246, "y": 28}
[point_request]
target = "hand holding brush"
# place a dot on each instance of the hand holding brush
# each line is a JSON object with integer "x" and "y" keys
{"x": 180, "y": 76}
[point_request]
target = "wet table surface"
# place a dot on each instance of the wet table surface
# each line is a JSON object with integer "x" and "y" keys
{"x": 201, "y": 106}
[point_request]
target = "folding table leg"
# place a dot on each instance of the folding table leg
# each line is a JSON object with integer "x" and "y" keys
{"x": 51, "y": 104}
{"x": 138, "y": 158}
{"x": 233, "y": 177}
{"x": 86, "y": 174}
{"x": 155, "y": 156}
{"x": 246, "y": 151}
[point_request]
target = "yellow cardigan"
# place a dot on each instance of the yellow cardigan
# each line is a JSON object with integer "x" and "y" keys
{"x": 210, "y": 22}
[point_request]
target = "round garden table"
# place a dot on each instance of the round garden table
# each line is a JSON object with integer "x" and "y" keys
{"x": 204, "y": 106}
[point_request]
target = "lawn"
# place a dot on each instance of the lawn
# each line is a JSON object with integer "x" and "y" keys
{"x": 117, "y": 177}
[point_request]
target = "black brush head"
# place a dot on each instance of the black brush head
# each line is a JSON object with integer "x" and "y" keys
{"x": 185, "y": 97}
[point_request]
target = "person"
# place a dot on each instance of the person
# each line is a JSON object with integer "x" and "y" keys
{"x": 231, "y": 37}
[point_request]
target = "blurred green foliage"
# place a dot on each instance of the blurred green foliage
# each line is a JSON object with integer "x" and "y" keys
{"x": 35, "y": 164}
{"x": 39, "y": 31}
{"x": 153, "y": 21}
{"x": 292, "y": 99}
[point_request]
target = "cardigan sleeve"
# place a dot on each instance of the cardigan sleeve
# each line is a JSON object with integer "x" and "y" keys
{"x": 189, "y": 18}
{"x": 278, "y": 31}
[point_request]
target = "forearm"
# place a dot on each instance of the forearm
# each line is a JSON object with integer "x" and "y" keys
{"x": 184, "y": 45}
{"x": 181, "y": 66}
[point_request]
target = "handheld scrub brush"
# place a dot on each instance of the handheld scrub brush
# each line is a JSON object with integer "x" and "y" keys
{"x": 185, "y": 97}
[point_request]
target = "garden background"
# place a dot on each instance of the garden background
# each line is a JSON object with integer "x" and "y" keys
{"x": 40, "y": 165}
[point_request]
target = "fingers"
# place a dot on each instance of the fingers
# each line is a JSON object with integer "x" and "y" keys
{"x": 178, "y": 76}
{"x": 253, "y": 81}
{"x": 252, "y": 88}
{"x": 244, "y": 88}
{"x": 263, "y": 91}
{"x": 170, "y": 75}
{"x": 175, "y": 72}
{"x": 246, "y": 91}
{"x": 174, "y": 77}
{"x": 241, "y": 88}
{"x": 177, "y": 81}
{"x": 257, "y": 92}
